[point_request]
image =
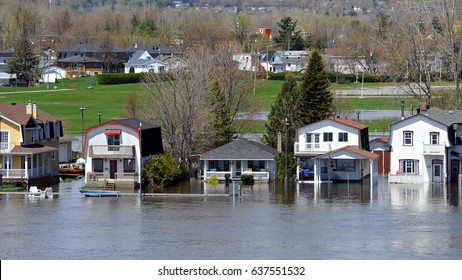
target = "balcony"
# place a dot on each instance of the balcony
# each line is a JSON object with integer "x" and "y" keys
{"x": 112, "y": 151}
{"x": 7, "y": 146}
{"x": 311, "y": 148}
{"x": 429, "y": 149}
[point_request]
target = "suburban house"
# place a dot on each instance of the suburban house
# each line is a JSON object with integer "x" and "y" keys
{"x": 29, "y": 144}
{"x": 115, "y": 152}
{"x": 426, "y": 147}
{"x": 65, "y": 148}
{"x": 334, "y": 149}
{"x": 52, "y": 73}
{"x": 111, "y": 54}
{"x": 238, "y": 157}
{"x": 142, "y": 62}
{"x": 5, "y": 78}
{"x": 80, "y": 65}
{"x": 295, "y": 61}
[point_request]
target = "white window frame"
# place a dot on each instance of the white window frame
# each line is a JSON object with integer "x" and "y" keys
{"x": 408, "y": 136}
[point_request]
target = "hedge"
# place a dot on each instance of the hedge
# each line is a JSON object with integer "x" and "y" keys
{"x": 119, "y": 78}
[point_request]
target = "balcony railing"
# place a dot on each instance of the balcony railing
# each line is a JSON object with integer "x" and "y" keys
{"x": 310, "y": 147}
{"x": 429, "y": 149}
{"x": 112, "y": 151}
{"x": 257, "y": 175}
{"x": 7, "y": 146}
{"x": 13, "y": 173}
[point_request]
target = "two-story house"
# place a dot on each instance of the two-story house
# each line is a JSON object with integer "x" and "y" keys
{"x": 29, "y": 144}
{"x": 426, "y": 147}
{"x": 334, "y": 149}
{"x": 142, "y": 62}
{"x": 115, "y": 151}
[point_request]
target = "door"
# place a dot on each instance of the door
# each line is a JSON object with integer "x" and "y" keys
{"x": 454, "y": 169}
{"x": 437, "y": 178}
{"x": 112, "y": 168}
{"x": 237, "y": 169}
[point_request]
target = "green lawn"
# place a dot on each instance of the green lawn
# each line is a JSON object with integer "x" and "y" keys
{"x": 109, "y": 100}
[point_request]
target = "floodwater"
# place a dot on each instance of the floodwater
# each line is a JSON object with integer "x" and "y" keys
{"x": 267, "y": 221}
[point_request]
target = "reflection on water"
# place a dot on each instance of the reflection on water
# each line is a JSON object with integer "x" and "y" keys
{"x": 267, "y": 221}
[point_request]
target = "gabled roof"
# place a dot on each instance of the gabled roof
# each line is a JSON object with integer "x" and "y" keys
{"x": 79, "y": 59}
{"x": 383, "y": 139}
{"x": 17, "y": 113}
{"x": 88, "y": 47}
{"x": 139, "y": 57}
{"x": 445, "y": 117}
{"x": 349, "y": 122}
{"x": 363, "y": 154}
{"x": 241, "y": 149}
{"x": 135, "y": 123}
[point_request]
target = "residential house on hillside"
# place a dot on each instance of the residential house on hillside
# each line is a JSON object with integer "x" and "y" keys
{"x": 80, "y": 65}
{"x": 108, "y": 54}
{"x": 116, "y": 151}
{"x": 143, "y": 62}
{"x": 154, "y": 50}
{"x": 334, "y": 149}
{"x": 239, "y": 157}
{"x": 5, "y": 78}
{"x": 426, "y": 147}
{"x": 29, "y": 144}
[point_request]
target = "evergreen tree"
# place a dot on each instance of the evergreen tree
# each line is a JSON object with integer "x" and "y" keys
{"x": 317, "y": 100}
{"x": 287, "y": 105}
{"x": 221, "y": 118}
{"x": 24, "y": 62}
{"x": 288, "y": 38}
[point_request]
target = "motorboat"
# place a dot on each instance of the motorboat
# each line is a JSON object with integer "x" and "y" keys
{"x": 99, "y": 193}
{"x": 35, "y": 192}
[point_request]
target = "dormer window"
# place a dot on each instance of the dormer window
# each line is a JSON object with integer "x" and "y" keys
{"x": 113, "y": 136}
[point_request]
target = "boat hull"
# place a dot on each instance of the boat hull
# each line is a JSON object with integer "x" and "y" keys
{"x": 99, "y": 193}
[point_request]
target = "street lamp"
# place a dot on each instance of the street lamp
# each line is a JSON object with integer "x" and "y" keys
{"x": 83, "y": 127}
{"x": 286, "y": 180}
{"x": 99, "y": 118}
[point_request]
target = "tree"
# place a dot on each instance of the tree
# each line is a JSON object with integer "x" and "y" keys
{"x": 287, "y": 105}
{"x": 317, "y": 99}
{"x": 289, "y": 38}
{"x": 222, "y": 122}
{"x": 24, "y": 62}
{"x": 162, "y": 170}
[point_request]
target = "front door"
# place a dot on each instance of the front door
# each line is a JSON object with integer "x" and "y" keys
{"x": 112, "y": 168}
{"x": 454, "y": 169}
{"x": 238, "y": 168}
{"x": 437, "y": 178}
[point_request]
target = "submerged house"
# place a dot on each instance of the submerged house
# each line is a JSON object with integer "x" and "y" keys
{"x": 116, "y": 151}
{"x": 239, "y": 157}
{"x": 426, "y": 147}
{"x": 29, "y": 144}
{"x": 334, "y": 149}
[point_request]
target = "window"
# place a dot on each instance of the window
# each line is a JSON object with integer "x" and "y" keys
{"x": 407, "y": 138}
{"x": 312, "y": 138}
{"x": 327, "y": 137}
{"x": 343, "y": 136}
{"x": 345, "y": 165}
{"x": 4, "y": 140}
{"x": 256, "y": 165}
{"x": 434, "y": 138}
{"x": 129, "y": 165}
{"x": 219, "y": 165}
{"x": 98, "y": 165}
{"x": 113, "y": 140}
{"x": 409, "y": 166}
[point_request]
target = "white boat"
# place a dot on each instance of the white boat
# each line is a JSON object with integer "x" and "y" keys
{"x": 99, "y": 193}
{"x": 38, "y": 193}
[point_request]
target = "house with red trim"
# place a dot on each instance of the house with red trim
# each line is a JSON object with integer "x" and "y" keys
{"x": 334, "y": 149}
{"x": 115, "y": 152}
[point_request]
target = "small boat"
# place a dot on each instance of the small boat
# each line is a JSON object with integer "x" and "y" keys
{"x": 99, "y": 193}
{"x": 35, "y": 192}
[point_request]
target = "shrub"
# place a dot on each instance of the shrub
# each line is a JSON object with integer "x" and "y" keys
{"x": 213, "y": 180}
{"x": 247, "y": 179}
{"x": 119, "y": 78}
{"x": 227, "y": 177}
{"x": 162, "y": 170}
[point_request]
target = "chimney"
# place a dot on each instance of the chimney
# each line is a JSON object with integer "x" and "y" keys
{"x": 35, "y": 111}
{"x": 29, "y": 108}
{"x": 423, "y": 104}
{"x": 279, "y": 142}
{"x": 402, "y": 109}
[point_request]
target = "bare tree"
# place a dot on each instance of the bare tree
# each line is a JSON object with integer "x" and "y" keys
{"x": 448, "y": 34}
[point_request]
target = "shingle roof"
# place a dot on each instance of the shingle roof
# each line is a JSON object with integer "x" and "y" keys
{"x": 447, "y": 117}
{"x": 78, "y": 58}
{"x": 241, "y": 149}
{"x": 17, "y": 113}
{"x": 350, "y": 149}
{"x": 349, "y": 122}
{"x": 135, "y": 123}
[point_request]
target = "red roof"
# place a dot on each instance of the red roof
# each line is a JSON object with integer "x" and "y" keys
{"x": 113, "y": 131}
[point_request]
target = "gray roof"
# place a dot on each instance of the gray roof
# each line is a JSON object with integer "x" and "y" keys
{"x": 135, "y": 123}
{"x": 241, "y": 149}
{"x": 79, "y": 59}
{"x": 88, "y": 47}
{"x": 445, "y": 117}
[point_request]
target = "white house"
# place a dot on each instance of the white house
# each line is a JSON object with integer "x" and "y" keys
{"x": 116, "y": 151}
{"x": 426, "y": 147}
{"x": 142, "y": 62}
{"x": 239, "y": 157}
{"x": 51, "y": 73}
{"x": 334, "y": 149}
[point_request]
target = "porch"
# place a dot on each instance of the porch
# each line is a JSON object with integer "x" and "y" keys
{"x": 104, "y": 180}
{"x": 257, "y": 175}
